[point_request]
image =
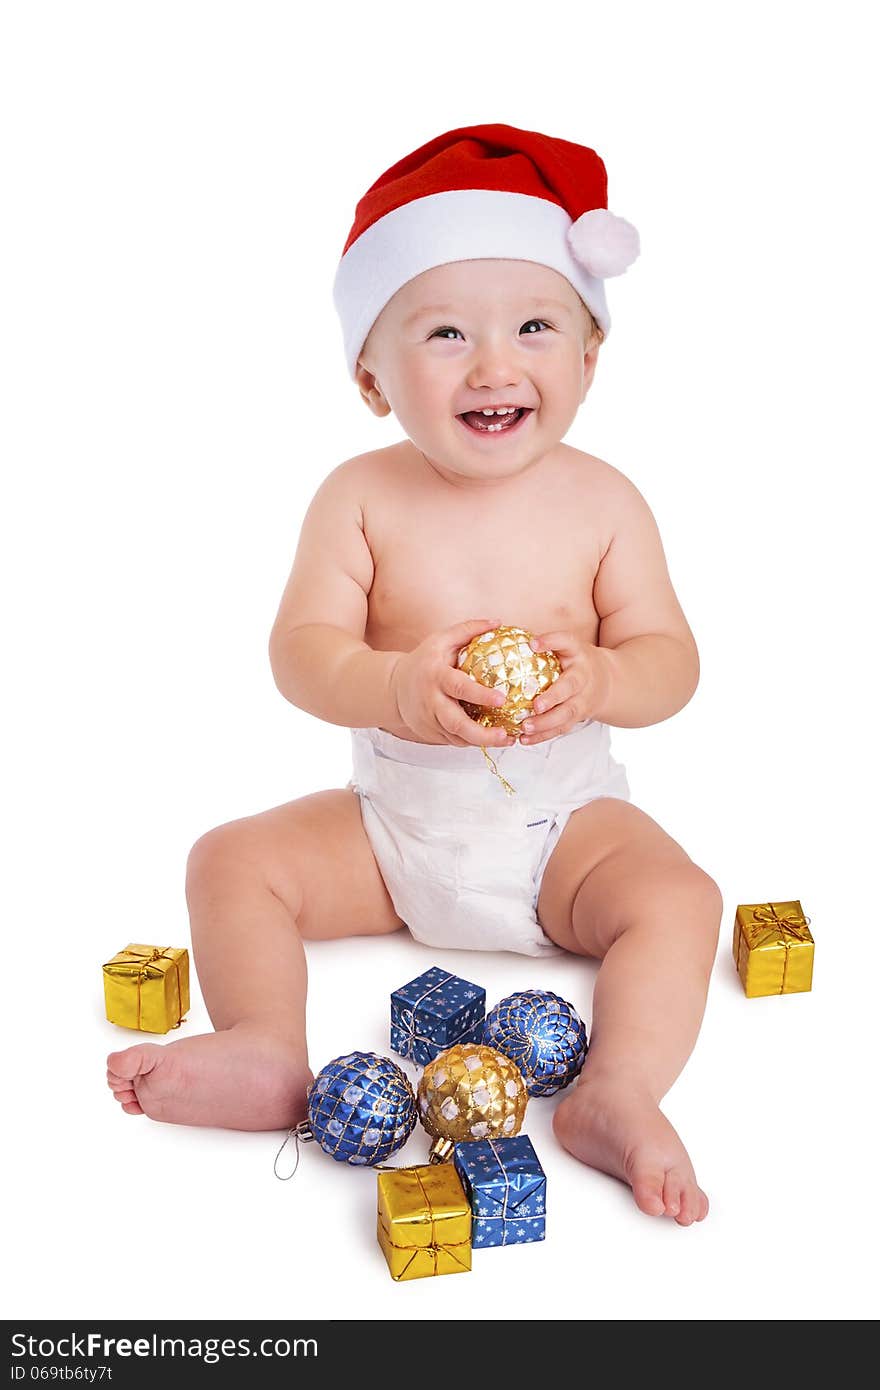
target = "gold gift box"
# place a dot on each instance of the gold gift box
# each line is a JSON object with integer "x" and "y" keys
{"x": 424, "y": 1221}
{"x": 773, "y": 948}
{"x": 147, "y": 987}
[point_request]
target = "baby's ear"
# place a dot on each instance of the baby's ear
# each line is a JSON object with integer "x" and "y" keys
{"x": 371, "y": 391}
{"x": 591, "y": 357}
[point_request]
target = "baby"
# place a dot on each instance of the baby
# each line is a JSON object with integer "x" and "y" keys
{"x": 471, "y": 295}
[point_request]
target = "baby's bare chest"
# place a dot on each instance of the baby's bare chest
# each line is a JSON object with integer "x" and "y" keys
{"x": 531, "y": 562}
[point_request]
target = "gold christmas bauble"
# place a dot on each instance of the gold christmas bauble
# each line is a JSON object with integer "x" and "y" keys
{"x": 503, "y": 660}
{"x": 472, "y": 1092}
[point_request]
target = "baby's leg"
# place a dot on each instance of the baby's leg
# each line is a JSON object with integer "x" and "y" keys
{"x": 619, "y": 888}
{"x": 255, "y": 889}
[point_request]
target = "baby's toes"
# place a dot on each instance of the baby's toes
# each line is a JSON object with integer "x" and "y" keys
{"x": 672, "y": 1192}
{"x": 133, "y": 1061}
{"x": 648, "y": 1191}
{"x": 124, "y": 1094}
{"x": 690, "y": 1204}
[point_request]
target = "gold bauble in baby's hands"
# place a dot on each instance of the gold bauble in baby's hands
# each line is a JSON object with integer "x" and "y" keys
{"x": 503, "y": 660}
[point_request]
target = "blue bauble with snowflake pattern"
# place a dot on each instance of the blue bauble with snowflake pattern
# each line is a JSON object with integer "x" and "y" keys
{"x": 543, "y": 1034}
{"x": 361, "y": 1108}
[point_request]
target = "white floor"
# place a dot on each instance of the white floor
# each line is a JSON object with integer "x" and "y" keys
{"x": 123, "y": 1217}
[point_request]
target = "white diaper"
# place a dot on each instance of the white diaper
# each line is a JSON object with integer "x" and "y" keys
{"x": 462, "y": 859}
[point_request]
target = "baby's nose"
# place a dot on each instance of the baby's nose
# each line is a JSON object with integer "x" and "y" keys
{"x": 493, "y": 371}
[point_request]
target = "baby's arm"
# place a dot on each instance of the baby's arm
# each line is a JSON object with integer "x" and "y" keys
{"x": 319, "y": 658}
{"x": 649, "y": 650}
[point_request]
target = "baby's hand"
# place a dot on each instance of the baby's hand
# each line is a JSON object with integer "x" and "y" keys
{"x": 427, "y": 686}
{"x": 576, "y": 694}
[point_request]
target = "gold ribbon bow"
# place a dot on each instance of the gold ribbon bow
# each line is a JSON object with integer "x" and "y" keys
{"x": 144, "y": 974}
{"x": 792, "y": 927}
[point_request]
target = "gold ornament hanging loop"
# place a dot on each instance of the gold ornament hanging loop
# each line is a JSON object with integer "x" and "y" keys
{"x": 503, "y": 780}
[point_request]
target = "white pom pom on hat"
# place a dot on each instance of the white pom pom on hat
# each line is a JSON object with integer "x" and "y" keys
{"x": 604, "y": 243}
{"x": 483, "y": 191}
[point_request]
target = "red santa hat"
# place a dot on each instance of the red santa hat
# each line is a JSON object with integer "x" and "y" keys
{"x": 481, "y": 191}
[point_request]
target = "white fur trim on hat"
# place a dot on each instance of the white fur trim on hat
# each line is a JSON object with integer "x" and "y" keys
{"x": 459, "y": 225}
{"x": 604, "y": 243}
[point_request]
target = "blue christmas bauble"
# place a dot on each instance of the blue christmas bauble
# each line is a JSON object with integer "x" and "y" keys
{"x": 361, "y": 1108}
{"x": 543, "y": 1034}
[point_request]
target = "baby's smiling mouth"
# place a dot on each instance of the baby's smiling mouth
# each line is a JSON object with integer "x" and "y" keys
{"x": 493, "y": 420}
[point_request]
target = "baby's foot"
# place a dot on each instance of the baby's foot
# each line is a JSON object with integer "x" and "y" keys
{"x": 237, "y": 1079}
{"x": 625, "y": 1134}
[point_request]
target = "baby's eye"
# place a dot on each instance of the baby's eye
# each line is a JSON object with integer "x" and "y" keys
{"x": 438, "y": 332}
{"x": 531, "y": 321}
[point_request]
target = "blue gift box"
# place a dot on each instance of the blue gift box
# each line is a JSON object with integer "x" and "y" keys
{"x": 506, "y": 1187}
{"x": 434, "y": 1011}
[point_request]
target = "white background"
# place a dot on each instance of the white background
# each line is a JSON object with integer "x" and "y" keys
{"x": 179, "y": 180}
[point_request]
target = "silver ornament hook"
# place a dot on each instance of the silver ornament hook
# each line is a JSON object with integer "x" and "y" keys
{"x": 302, "y": 1133}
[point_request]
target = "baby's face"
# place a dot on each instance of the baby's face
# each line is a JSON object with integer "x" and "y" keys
{"x": 474, "y": 335}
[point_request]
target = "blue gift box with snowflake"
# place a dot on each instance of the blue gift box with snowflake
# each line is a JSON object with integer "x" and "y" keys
{"x": 506, "y": 1187}
{"x": 434, "y": 1011}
